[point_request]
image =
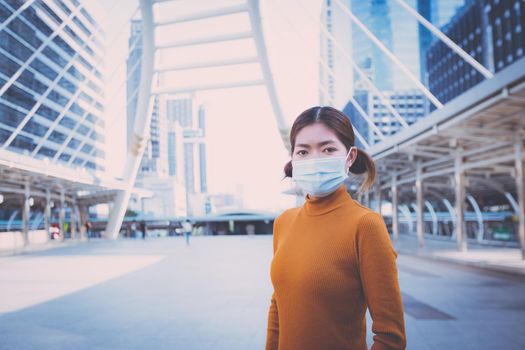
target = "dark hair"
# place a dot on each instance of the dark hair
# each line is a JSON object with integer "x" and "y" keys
{"x": 340, "y": 124}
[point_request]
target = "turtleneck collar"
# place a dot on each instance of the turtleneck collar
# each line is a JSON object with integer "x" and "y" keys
{"x": 323, "y": 205}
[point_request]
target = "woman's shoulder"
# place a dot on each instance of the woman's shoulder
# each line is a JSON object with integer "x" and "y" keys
{"x": 359, "y": 211}
{"x": 287, "y": 214}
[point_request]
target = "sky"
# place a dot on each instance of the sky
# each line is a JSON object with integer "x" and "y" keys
{"x": 245, "y": 153}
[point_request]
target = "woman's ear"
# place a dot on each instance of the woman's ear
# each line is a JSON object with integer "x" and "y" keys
{"x": 352, "y": 155}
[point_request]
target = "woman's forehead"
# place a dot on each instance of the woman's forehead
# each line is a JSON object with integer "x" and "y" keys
{"x": 314, "y": 134}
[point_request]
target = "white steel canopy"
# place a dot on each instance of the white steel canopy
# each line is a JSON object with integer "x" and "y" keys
{"x": 155, "y": 74}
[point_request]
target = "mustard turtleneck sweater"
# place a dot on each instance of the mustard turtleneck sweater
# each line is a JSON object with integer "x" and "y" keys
{"x": 332, "y": 259}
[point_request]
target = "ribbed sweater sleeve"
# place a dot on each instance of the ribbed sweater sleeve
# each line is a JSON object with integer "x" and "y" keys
{"x": 272, "y": 337}
{"x": 378, "y": 271}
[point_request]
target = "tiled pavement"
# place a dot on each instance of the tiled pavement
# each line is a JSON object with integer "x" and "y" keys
{"x": 214, "y": 294}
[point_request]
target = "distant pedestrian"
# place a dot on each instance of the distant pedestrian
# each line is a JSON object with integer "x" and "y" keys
{"x": 187, "y": 227}
{"x": 88, "y": 226}
{"x": 134, "y": 229}
{"x": 143, "y": 229}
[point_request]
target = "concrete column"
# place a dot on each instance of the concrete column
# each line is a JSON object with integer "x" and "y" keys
{"x": 419, "y": 207}
{"x": 84, "y": 217}
{"x": 47, "y": 213}
{"x": 520, "y": 189}
{"x": 26, "y": 212}
{"x": 74, "y": 219}
{"x": 62, "y": 214}
{"x": 378, "y": 198}
{"x": 395, "y": 216}
{"x": 459, "y": 175}
{"x": 81, "y": 221}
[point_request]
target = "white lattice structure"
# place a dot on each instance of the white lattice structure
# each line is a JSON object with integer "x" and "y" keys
{"x": 155, "y": 73}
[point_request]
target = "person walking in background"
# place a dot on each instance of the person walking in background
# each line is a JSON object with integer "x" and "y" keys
{"x": 332, "y": 257}
{"x": 134, "y": 229}
{"x": 88, "y": 226}
{"x": 187, "y": 227}
{"x": 143, "y": 228}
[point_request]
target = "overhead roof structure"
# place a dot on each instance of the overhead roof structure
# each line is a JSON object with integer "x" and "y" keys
{"x": 163, "y": 23}
{"x": 482, "y": 126}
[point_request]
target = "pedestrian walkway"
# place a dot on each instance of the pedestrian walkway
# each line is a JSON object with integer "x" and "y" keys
{"x": 215, "y": 294}
{"x": 501, "y": 259}
{"x": 13, "y": 250}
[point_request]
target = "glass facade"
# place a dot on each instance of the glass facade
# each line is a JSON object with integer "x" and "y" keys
{"x": 491, "y": 31}
{"x": 172, "y": 153}
{"x": 410, "y": 104}
{"x": 51, "y": 83}
{"x": 202, "y": 165}
{"x": 439, "y": 13}
{"x": 192, "y": 121}
{"x": 189, "y": 174}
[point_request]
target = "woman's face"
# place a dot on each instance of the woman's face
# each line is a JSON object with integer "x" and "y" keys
{"x": 318, "y": 141}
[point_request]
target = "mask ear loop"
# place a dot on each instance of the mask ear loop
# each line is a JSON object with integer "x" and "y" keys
{"x": 347, "y": 170}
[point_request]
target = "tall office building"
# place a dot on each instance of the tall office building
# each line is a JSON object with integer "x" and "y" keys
{"x": 489, "y": 30}
{"x": 335, "y": 71}
{"x": 393, "y": 27}
{"x": 52, "y": 83}
{"x": 186, "y": 120}
{"x": 439, "y": 13}
{"x": 410, "y": 104}
{"x": 400, "y": 33}
{"x": 376, "y": 16}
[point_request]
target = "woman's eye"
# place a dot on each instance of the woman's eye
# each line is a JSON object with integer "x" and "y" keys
{"x": 330, "y": 149}
{"x": 301, "y": 153}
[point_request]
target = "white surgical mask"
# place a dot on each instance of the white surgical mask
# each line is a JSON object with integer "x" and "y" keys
{"x": 320, "y": 176}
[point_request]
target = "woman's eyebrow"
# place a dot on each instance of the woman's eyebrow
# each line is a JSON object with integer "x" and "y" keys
{"x": 304, "y": 145}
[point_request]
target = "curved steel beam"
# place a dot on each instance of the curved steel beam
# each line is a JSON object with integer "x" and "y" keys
{"x": 479, "y": 216}
{"x": 513, "y": 203}
{"x": 452, "y": 213}
{"x": 11, "y": 219}
{"x": 433, "y": 216}
{"x": 258, "y": 37}
{"x": 408, "y": 216}
{"x": 142, "y": 121}
{"x": 499, "y": 188}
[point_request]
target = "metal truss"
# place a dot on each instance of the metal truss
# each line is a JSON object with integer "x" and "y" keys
{"x": 474, "y": 143}
{"x": 151, "y": 87}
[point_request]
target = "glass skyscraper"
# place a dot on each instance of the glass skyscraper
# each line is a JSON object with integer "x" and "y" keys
{"x": 186, "y": 130}
{"x": 439, "y": 13}
{"x": 491, "y": 31}
{"x": 51, "y": 82}
{"x": 488, "y": 30}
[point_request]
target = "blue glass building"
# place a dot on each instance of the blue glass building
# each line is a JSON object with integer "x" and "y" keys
{"x": 51, "y": 82}
{"x": 489, "y": 30}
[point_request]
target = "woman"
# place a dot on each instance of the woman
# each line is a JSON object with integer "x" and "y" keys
{"x": 333, "y": 257}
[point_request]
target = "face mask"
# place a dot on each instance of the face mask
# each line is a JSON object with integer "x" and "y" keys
{"x": 320, "y": 176}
